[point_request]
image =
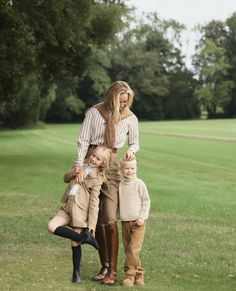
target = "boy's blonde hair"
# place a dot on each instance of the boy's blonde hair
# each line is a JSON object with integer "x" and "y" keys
{"x": 122, "y": 162}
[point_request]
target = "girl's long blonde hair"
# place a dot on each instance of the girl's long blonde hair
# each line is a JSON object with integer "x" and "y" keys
{"x": 106, "y": 156}
{"x": 112, "y": 97}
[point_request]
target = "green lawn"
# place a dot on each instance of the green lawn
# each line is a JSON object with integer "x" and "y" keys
{"x": 190, "y": 242}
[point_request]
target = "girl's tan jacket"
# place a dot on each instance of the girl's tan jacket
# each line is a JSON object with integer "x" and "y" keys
{"x": 87, "y": 197}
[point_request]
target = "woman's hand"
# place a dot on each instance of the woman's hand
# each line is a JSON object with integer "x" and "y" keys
{"x": 129, "y": 155}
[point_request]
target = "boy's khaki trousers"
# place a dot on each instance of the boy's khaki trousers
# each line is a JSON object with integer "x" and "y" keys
{"x": 132, "y": 236}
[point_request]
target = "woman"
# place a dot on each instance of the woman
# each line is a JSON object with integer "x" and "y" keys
{"x": 108, "y": 123}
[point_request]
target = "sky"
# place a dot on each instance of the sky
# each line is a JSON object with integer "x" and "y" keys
{"x": 189, "y": 13}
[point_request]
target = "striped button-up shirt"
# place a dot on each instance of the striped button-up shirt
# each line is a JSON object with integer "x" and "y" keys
{"x": 93, "y": 128}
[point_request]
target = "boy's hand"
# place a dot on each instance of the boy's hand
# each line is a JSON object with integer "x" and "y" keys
{"x": 139, "y": 222}
{"x": 129, "y": 155}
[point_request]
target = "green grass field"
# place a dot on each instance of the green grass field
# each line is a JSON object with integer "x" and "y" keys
{"x": 190, "y": 243}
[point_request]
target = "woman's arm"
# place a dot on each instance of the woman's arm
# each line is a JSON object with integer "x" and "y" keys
{"x": 84, "y": 137}
{"x": 133, "y": 139}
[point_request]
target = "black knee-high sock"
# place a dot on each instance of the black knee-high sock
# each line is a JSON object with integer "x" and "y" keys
{"x": 76, "y": 259}
{"x": 84, "y": 237}
{"x": 69, "y": 233}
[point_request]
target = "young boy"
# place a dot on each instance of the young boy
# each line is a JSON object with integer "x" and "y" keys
{"x": 134, "y": 210}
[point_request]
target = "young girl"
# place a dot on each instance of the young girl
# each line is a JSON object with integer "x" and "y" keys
{"x": 81, "y": 206}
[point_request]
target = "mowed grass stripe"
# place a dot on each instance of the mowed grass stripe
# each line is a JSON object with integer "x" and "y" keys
{"x": 219, "y": 128}
{"x": 217, "y": 138}
{"x": 190, "y": 236}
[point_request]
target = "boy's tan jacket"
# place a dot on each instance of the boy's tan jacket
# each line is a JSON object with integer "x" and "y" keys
{"x": 87, "y": 198}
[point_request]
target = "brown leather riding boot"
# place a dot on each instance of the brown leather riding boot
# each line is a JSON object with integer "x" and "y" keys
{"x": 113, "y": 244}
{"x": 103, "y": 253}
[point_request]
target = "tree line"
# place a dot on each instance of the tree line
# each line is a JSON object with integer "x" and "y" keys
{"x": 58, "y": 57}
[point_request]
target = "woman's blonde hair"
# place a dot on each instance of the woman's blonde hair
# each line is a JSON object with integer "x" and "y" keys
{"x": 112, "y": 96}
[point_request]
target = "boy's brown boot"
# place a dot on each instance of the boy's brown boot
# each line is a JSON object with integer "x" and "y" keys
{"x": 128, "y": 281}
{"x": 139, "y": 279}
{"x": 110, "y": 278}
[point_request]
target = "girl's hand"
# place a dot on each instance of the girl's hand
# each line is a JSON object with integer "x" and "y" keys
{"x": 129, "y": 155}
{"x": 80, "y": 174}
{"x": 80, "y": 177}
{"x": 139, "y": 222}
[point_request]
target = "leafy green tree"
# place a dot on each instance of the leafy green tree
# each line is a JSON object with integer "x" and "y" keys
{"x": 212, "y": 64}
{"x": 95, "y": 79}
{"x": 40, "y": 42}
{"x": 141, "y": 70}
{"x": 66, "y": 106}
{"x": 16, "y": 77}
{"x": 148, "y": 56}
{"x": 230, "y": 46}
{"x": 180, "y": 103}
